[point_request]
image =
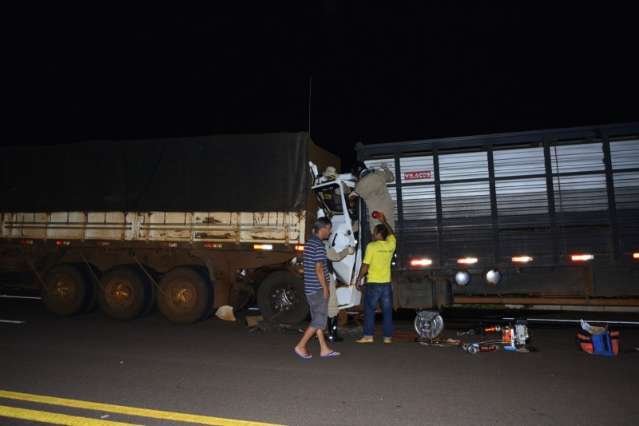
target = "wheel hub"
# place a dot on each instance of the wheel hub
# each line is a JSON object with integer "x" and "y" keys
{"x": 121, "y": 292}
{"x": 63, "y": 289}
{"x": 183, "y": 296}
{"x": 283, "y": 299}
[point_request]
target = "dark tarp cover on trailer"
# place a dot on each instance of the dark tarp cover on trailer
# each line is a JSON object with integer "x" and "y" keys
{"x": 266, "y": 172}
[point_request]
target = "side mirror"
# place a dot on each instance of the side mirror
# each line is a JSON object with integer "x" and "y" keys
{"x": 314, "y": 171}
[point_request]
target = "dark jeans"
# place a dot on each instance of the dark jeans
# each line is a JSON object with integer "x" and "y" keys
{"x": 382, "y": 293}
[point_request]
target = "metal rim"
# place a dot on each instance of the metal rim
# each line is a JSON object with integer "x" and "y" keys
{"x": 284, "y": 299}
{"x": 428, "y": 324}
{"x": 183, "y": 295}
{"x": 64, "y": 288}
{"x": 119, "y": 293}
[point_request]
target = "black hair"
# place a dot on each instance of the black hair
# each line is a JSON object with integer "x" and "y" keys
{"x": 321, "y": 222}
{"x": 358, "y": 168}
{"x": 382, "y": 230}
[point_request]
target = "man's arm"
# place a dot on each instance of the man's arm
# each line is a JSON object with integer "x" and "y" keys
{"x": 319, "y": 271}
{"x": 382, "y": 217}
{"x": 388, "y": 175}
{"x": 363, "y": 271}
{"x": 335, "y": 256}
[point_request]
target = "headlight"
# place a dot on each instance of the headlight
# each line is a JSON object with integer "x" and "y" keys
{"x": 462, "y": 278}
{"x": 493, "y": 277}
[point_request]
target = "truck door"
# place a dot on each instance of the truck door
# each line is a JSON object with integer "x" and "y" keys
{"x": 336, "y": 207}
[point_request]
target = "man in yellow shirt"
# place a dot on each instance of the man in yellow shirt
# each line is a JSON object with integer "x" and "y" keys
{"x": 377, "y": 266}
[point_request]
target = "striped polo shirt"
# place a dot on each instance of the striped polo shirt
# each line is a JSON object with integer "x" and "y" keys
{"x": 314, "y": 251}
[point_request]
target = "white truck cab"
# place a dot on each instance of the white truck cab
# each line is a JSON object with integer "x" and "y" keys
{"x": 345, "y": 216}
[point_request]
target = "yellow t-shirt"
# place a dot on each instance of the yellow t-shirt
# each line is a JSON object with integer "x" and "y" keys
{"x": 378, "y": 257}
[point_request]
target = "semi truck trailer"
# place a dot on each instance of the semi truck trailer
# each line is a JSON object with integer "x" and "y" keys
{"x": 539, "y": 219}
{"x": 184, "y": 224}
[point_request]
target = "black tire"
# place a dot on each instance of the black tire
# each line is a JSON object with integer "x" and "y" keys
{"x": 281, "y": 298}
{"x": 185, "y": 296}
{"x": 125, "y": 293}
{"x": 67, "y": 290}
{"x": 92, "y": 286}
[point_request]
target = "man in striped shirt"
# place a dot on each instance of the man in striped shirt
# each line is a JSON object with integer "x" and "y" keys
{"x": 317, "y": 290}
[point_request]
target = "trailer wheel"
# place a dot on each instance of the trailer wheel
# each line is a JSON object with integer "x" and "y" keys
{"x": 66, "y": 290}
{"x": 185, "y": 296}
{"x": 125, "y": 293}
{"x": 281, "y": 298}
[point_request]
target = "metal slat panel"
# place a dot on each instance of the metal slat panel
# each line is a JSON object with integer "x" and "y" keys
{"x": 465, "y": 199}
{"x": 519, "y": 162}
{"x": 580, "y": 193}
{"x": 522, "y": 196}
{"x": 393, "y": 194}
{"x": 586, "y": 157}
{"x": 625, "y": 154}
{"x": 419, "y": 202}
{"x": 417, "y": 169}
{"x": 473, "y": 165}
{"x": 627, "y": 190}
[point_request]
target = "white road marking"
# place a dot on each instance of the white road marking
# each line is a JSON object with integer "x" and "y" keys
{"x": 8, "y": 296}
{"x": 11, "y": 321}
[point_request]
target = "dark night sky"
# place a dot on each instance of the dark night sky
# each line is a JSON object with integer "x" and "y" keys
{"x": 380, "y": 73}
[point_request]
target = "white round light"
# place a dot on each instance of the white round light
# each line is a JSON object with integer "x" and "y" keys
{"x": 462, "y": 278}
{"x": 493, "y": 277}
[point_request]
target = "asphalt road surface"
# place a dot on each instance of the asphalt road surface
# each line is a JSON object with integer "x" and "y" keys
{"x": 93, "y": 370}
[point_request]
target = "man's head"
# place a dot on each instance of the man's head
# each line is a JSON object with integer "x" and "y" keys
{"x": 322, "y": 228}
{"x": 380, "y": 232}
{"x": 359, "y": 169}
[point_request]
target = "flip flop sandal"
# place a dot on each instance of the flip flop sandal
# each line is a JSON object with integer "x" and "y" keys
{"x": 301, "y": 355}
{"x": 331, "y": 355}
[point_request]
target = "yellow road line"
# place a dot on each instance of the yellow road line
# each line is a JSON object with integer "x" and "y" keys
{"x": 130, "y": 411}
{"x": 54, "y": 418}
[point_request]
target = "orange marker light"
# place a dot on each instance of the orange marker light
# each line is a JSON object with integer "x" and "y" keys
{"x": 213, "y": 245}
{"x": 581, "y": 257}
{"x": 421, "y": 262}
{"x": 299, "y": 247}
{"x": 263, "y": 246}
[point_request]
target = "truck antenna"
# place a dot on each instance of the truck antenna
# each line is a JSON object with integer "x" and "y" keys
{"x": 310, "y": 94}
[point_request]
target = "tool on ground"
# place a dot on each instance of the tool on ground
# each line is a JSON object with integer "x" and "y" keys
{"x": 438, "y": 342}
{"x": 473, "y": 348}
{"x": 514, "y": 338}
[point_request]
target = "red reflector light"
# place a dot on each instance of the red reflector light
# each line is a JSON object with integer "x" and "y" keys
{"x": 581, "y": 257}
{"x": 62, "y": 243}
{"x": 26, "y": 242}
{"x": 299, "y": 247}
{"x": 522, "y": 259}
{"x": 421, "y": 262}
{"x": 467, "y": 260}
